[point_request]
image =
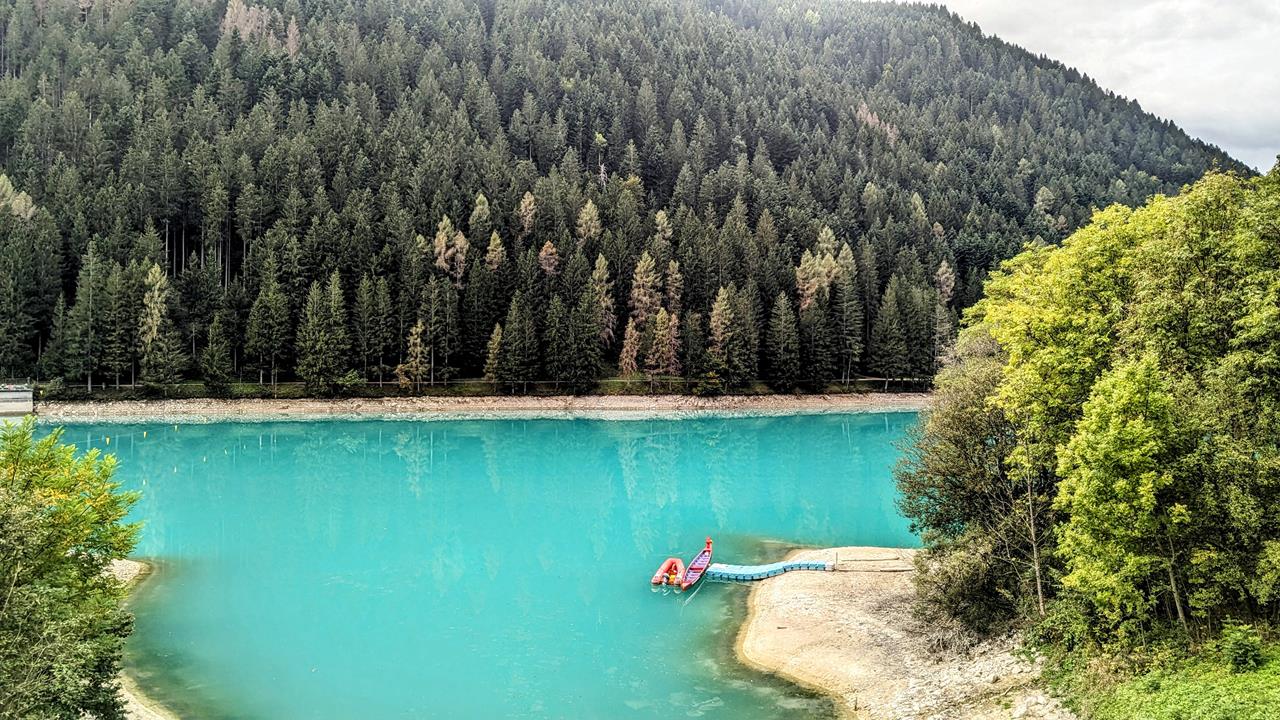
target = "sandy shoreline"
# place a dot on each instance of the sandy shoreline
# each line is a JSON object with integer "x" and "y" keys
{"x": 616, "y": 407}
{"x": 851, "y": 634}
{"x": 137, "y": 706}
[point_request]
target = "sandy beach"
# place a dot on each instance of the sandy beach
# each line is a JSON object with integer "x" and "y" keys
{"x": 851, "y": 634}
{"x": 621, "y": 407}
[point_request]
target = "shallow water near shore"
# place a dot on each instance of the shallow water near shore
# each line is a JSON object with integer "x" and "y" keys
{"x": 478, "y": 568}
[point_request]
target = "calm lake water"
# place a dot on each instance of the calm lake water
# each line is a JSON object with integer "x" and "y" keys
{"x": 478, "y": 569}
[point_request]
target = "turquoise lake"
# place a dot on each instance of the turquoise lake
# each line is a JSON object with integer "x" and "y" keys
{"x": 478, "y": 568}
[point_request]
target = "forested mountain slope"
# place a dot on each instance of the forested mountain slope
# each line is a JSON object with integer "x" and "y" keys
{"x": 800, "y": 192}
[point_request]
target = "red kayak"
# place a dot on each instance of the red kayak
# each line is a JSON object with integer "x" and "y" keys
{"x": 693, "y": 573}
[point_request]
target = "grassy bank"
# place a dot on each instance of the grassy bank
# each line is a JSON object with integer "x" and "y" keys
{"x": 1203, "y": 687}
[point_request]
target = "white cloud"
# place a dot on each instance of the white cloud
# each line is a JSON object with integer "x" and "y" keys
{"x": 1209, "y": 66}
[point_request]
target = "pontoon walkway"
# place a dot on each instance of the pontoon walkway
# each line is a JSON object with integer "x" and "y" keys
{"x": 744, "y": 573}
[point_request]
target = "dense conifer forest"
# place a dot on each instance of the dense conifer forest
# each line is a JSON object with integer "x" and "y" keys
{"x": 713, "y": 192}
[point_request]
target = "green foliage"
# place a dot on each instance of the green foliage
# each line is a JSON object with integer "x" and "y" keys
{"x": 782, "y": 354}
{"x": 1172, "y": 688}
{"x": 1241, "y": 647}
{"x": 1131, "y": 372}
{"x": 247, "y": 161}
{"x": 62, "y": 628}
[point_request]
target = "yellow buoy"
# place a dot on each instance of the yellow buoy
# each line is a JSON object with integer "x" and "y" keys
{"x": 108, "y": 439}
{"x": 144, "y": 433}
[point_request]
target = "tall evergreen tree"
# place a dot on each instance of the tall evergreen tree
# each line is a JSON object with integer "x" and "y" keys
{"x": 518, "y": 363}
{"x": 159, "y": 346}
{"x": 268, "y": 329}
{"x": 317, "y": 355}
{"x": 215, "y": 361}
{"x": 889, "y": 338}
{"x": 782, "y": 357}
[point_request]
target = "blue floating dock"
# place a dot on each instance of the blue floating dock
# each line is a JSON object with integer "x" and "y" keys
{"x": 747, "y": 573}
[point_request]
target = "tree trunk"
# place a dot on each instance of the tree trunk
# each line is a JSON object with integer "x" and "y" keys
{"x": 1035, "y": 546}
{"x": 1173, "y": 587}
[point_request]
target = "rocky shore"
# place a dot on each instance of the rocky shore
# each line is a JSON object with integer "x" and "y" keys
{"x": 427, "y": 408}
{"x": 852, "y": 634}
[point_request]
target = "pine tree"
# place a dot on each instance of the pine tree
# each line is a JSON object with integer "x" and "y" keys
{"x": 518, "y": 363}
{"x": 559, "y": 341}
{"x": 413, "y": 370}
{"x": 119, "y": 324}
{"x": 601, "y": 289}
{"x": 847, "y": 316}
{"x": 215, "y": 361}
{"x": 645, "y": 296}
{"x": 161, "y": 350}
{"x": 268, "y": 330}
{"x": 336, "y": 326}
{"x": 385, "y": 337}
{"x": 586, "y": 342}
{"x": 889, "y": 338}
{"x": 674, "y": 288}
{"x": 588, "y": 227}
{"x": 944, "y": 281}
{"x": 817, "y": 358}
{"x": 84, "y": 339}
{"x": 53, "y": 359}
{"x": 450, "y": 249}
{"x": 663, "y": 358}
{"x": 493, "y": 355}
{"x": 364, "y": 322}
{"x": 317, "y": 359}
{"x": 783, "y": 347}
{"x": 629, "y": 357}
{"x": 728, "y": 347}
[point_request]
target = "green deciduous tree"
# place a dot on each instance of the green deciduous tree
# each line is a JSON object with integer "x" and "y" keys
{"x": 62, "y": 627}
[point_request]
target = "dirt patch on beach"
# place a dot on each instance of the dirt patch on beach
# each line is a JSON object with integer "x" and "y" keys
{"x": 852, "y": 634}
{"x": 608, "y": 406}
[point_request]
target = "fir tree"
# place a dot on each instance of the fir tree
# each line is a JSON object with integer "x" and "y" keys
{"x": 817, "y": 359}
{"x": 336, "y": 325}
{"x": 493, "y": 355}
{"x": 215, "y": 361}
{"x": 160, "y": 348}
{"x": 413, "y": 370}
{"x": 663, "y": 358}
{"x": 53, "y": 359}
{"x": 889, "y": 338}
{"x": 119, "y": 324}
{"x": 645, "y": 296}
{"x": 518, "y": 363}
{"x": 317, "y": 356}
{"x": 268, "y": 330}
{"x": 630, "y": 355}
{"x": 783, "y": 347}
{"x": 364, "y": 321}
{"x": 559, "y": 341}
{"x": 601, "y": 289}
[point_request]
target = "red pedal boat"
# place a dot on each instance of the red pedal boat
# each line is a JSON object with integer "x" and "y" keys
{"x": 694, "y": 572}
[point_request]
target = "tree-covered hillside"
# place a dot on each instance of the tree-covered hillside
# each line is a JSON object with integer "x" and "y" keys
{"x": 720, "y": 191}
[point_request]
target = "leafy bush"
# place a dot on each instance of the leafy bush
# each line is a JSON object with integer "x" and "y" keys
{"x": 1242, "y": 647}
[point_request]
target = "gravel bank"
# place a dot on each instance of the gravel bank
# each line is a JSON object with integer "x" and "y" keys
{"x": 851, "y": 634}
{"x": 621, "y": 407}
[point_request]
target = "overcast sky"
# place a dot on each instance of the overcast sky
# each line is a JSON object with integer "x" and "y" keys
{"x": 1210, "y": 66}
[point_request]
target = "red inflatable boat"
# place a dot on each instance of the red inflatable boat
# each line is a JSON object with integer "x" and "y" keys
{"x": 670, "y": 573}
